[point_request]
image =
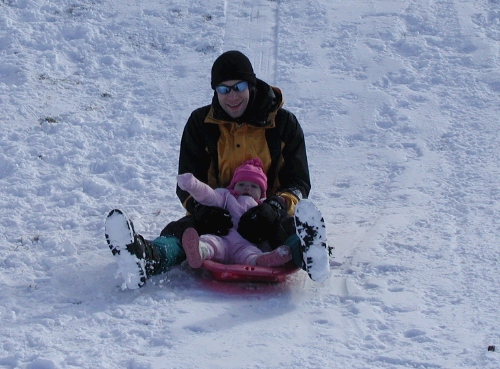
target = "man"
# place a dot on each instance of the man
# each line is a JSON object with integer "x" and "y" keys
{"x": 245, "y": 120}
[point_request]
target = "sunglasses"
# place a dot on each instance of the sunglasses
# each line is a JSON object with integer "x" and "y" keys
{"x": 240, "y": 86}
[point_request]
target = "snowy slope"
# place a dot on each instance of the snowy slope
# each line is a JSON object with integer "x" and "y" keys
{"x": 399, "y": 101}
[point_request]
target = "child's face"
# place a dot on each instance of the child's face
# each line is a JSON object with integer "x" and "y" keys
{"x": 249, "y": 189}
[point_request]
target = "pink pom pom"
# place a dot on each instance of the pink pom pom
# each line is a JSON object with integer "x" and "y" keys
{"x": 255, "y": 162}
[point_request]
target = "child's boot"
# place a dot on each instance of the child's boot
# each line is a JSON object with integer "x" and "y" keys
{"x": 195, "y": 250}
{"x": 279, "y": 256}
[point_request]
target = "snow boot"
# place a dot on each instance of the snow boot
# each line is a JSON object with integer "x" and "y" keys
{"x": 120, "y": 234}
{"x": 278, "y": 256}
{"x": 195, "y": 250}
{"x": 136, "y": 257}
{"x": 310, "y": 228}
{"x": 144, "y": 249}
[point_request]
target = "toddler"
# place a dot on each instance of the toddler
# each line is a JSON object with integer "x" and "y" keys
{"x": 246, "y": 190}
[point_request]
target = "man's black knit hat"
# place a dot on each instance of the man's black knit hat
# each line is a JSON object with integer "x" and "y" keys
{"x": 232, "y": 65}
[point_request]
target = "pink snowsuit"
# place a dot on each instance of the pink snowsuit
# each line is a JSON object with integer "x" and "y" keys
{"x": 230, "y": 249}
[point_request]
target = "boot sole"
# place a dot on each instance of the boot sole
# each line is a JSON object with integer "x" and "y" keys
{"x": 277, "y": 257}
{"x": 310, "y": 228}
{"x": 191, "y": 246}
{"x": 119, "y": 232}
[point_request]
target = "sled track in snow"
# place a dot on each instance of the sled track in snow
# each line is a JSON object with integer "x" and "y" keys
{"x": 252, "y": 27}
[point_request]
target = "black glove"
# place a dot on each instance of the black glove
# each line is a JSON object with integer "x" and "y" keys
{"x": 278, "y": 203}
{"x": 261, "y": 222}
{"x": 210, "y": 219}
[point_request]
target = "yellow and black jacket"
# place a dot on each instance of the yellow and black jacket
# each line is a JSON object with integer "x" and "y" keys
{"x": 214, "y": 144}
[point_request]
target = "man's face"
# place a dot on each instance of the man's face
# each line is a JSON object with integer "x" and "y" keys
{"x": 234, "y": 102}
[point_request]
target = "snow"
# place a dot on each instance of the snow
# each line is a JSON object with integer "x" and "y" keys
{"x": 399, "y": 101}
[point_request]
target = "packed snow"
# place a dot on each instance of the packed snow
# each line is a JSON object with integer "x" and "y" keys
{"x": 399, "y": 101}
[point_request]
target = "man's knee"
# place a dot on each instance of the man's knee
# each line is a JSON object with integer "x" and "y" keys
{"x": 177, "y": 227}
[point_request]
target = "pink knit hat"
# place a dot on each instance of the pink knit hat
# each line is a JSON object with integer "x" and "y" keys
{"x": 251, "y": 171}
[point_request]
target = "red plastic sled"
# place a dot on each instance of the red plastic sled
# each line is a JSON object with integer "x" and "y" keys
{"x": 248, "y": 273}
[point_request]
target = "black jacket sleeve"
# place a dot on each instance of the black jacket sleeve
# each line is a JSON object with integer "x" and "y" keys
{"x": 293, "y": 175}
{"x": 193, "y": 154}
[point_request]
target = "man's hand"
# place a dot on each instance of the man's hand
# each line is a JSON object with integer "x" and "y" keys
{"x": 259, "y": 223}
{"x": 278, "y": 203}
{"x": 210, "y": 219}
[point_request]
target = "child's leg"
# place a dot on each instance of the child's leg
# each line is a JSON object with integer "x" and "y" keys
{"x": 279, "y": 256}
